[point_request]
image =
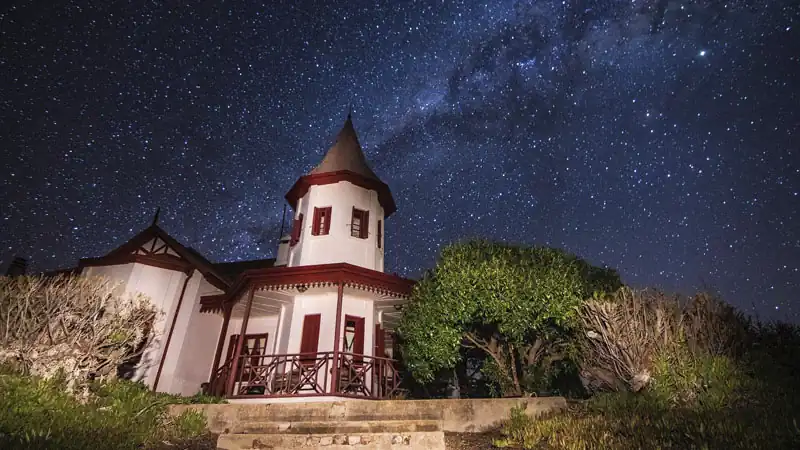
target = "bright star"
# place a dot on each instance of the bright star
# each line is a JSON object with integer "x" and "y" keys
{"x": 702, "y": 53}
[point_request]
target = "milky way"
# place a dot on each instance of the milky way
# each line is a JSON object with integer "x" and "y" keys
{"x": 658, "y": 137}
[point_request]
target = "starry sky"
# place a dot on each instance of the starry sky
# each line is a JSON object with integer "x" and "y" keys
{"x": 659, "y": 137}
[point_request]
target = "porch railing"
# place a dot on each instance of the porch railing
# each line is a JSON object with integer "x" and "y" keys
{"x": 309, "y": 374}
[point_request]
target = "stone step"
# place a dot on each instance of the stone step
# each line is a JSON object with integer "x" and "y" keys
{"x": 334, "y": 411}
{"x": 335, "y": 427}
{"x": 422, "y": 440}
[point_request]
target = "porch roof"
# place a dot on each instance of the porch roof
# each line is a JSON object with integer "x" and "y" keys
{"x": 301, "y": 277}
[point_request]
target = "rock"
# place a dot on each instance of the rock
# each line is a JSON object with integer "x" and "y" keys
{"x": 325, "y": 440}
{"x": 354, "y": 440}
{"x": 340, "y": 440}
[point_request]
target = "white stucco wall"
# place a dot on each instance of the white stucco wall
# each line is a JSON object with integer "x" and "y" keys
{"x": 284, "y": 329}
{"x": 194, "y": 341}
{"x": 314, "y": 301}
{"x": 339, "y": 246}
{"x": 163, "y": 287}
{"x": 354, "y": 303}
{"x": 120, "y": 273}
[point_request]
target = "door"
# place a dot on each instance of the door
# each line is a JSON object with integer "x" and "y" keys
{"x": 255, "y": 345}
{"x": 354, "y": 337}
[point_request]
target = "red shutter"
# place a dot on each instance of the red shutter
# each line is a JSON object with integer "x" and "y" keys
{"x": 364, "y": 224}
{"x": 297, "y": 227}
{"x": 315, "y": 223}
{"x": 328, "y": 216}
{"x": 380, "y": 233}
{"x": 309, "y": 343}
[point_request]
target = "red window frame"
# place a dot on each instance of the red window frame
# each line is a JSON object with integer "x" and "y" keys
{"x": 297, "y": 228}
{"x": 322, "y": 221}
{"x": 362, "y": 231}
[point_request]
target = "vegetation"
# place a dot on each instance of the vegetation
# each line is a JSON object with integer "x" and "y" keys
{"x": 515, "y": 306}
{"x": 63, "y": 343}
{"x": 41, "y": 414}
{"x": 79, "y": 326}
{"x": 652, "y": 370}
{"x": 675, "y": 374}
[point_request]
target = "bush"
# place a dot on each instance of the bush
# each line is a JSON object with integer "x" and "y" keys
{"x": 80, "y": 326}
{"x": 39, "y": 414}
{"x": 625, "y": 421}
{"x": 713, "y": 379}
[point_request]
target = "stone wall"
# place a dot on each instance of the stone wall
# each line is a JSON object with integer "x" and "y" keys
{"x": 456, "y": 415}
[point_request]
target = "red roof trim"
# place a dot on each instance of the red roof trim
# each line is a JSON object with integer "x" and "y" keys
{"x": 305, "y": 182}
{"x": 125, "y": 254}
{"x": 315, "y": 275}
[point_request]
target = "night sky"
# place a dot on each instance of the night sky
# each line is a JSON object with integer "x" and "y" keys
{"x": 658, "y": 137}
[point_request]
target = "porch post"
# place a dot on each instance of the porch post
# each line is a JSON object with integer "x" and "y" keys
{"x": 240, "y": 342}
{"x": 226, "y": 318}
{"x": 337, "y": 336}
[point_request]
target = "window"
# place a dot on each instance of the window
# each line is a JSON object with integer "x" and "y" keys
{"x": 322, "y": 221}
{"x": 297, "y": 227}
{"x": 359, "y": 226}
{"x": 380, "y": 233}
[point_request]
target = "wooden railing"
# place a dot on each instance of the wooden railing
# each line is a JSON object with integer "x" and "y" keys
{"x": 309, "y": 374}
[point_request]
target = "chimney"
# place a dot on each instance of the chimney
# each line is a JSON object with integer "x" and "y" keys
{"x": 18, "y": 266}
{"x": 282, "y": 258}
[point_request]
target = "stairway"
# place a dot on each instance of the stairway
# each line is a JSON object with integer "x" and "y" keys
{"x": 332, "y": 427}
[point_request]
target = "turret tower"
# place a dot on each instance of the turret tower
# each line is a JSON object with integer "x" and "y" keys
{"x": 339, "y": 209}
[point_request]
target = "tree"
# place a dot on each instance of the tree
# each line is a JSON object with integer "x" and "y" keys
{"x": 512, "y": 303}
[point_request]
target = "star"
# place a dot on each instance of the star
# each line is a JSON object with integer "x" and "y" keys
{"x": 603, "y": 131}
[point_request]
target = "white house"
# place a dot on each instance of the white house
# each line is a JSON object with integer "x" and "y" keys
{"x": 317, "y": 320}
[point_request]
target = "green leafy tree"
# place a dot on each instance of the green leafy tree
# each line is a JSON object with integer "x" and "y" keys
{"x": 513, "y": 303}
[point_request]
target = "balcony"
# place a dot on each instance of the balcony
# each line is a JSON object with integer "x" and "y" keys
{"x": 307, "y": 375}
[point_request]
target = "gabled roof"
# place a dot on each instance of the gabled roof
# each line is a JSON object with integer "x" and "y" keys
{"x": 165, "y": 252}
{"x": 346, "y": 154}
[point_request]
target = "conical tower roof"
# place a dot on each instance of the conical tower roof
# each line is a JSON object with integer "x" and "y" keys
{"x": 344, "y": 161}
{"x": 346, "y": 154}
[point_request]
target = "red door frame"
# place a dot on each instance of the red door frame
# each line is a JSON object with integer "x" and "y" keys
{"x": 358, "y": 339}
{"x": 247, "y": 337}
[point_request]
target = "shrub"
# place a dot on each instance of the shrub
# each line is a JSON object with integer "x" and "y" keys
{"x": 512, "y": 304}
{"x": 627, "y": 334}
{"x": 79, "y": 326}
{"x": 38, "y": 414}
{"x": 621, "y": 336}
{"x": 627, "y": 421}
{"x": 703, "y": 382}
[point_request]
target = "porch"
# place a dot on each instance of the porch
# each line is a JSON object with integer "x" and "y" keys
{"x": 307, "y": 375}
{"x": 308, "y": 332}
